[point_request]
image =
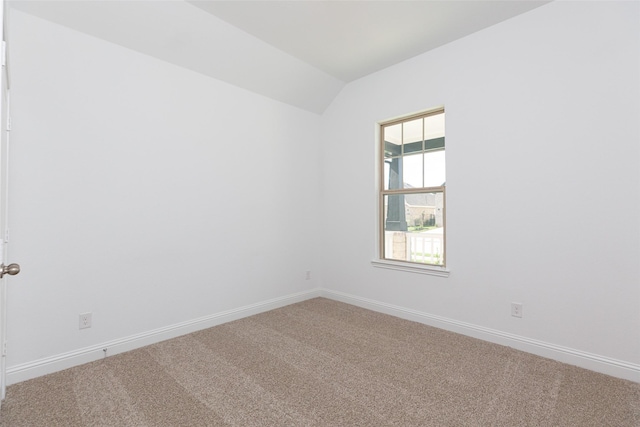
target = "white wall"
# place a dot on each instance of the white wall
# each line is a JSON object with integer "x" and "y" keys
{"x": 543, "y": 181}
{"x": 152, "y": 196}
{"x": 146, "y": 194}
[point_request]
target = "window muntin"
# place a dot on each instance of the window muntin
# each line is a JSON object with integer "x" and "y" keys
{"x": 412, "y": 195}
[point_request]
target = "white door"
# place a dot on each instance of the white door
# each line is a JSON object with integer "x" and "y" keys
{"x": 5, "y": 122}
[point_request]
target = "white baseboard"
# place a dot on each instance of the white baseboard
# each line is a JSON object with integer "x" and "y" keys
{"x": 605, "y": 365}
{"x": 48, "y": 365}
{"x": 594, "y": 362}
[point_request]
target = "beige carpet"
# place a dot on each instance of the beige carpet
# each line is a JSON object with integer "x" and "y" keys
{"x": 323, "y": 363}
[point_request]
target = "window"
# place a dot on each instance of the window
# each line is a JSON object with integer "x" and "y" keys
{"x": 412, "y": 191}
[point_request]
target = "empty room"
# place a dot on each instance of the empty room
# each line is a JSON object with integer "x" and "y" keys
{"x": 240, "y": 213}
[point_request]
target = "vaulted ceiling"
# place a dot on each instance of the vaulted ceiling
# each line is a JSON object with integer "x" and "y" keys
{"x": 298, "y": 52}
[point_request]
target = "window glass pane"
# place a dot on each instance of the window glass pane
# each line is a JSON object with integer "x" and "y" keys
{"x": 434, "y": 126}
{"x": 412, "y": 147}
{"x": 412, "y": 136}
{"x": 412, "y": 171}
{"x": 392, "y": 136}
{"x": 392, "y": 170}
{"x": 434, "y": 169}
{"x": 413, "y": 227}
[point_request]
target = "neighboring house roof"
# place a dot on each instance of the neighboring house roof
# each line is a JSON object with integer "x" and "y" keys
{"x": 420, "y": 199}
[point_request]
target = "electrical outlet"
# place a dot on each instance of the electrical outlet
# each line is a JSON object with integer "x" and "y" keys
{"x": 308, "y": 277}
{"x": 85, "y": 320}
{"x": 516, "y": 309}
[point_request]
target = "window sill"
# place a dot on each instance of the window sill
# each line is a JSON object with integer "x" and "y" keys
{"x": 431, "y": 270}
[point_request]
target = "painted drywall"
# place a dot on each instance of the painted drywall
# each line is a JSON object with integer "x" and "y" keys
{"x": 543, "y": 181}
{"x": 188, "y": 36}
{"x": 146, "y": 194}
{"x": 152, "y": 196}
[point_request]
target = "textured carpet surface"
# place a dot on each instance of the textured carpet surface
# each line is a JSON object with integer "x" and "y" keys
{"x": 323, "y": 363}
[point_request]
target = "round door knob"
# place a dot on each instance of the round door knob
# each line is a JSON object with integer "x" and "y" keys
{"x": 11, "y": 269}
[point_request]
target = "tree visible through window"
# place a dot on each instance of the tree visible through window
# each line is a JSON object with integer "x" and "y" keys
{"x": 412, "y": 194}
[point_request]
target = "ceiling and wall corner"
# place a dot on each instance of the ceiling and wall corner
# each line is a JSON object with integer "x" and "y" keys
{"x": 301, "y": 53}
{"x": 351, "y": 39}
